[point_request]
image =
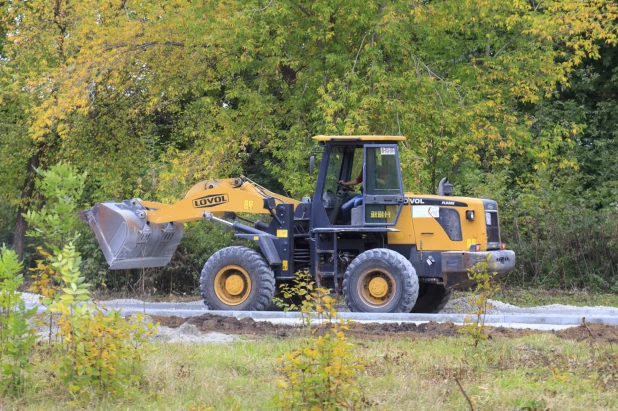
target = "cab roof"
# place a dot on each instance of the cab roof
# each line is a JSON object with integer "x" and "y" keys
{"x": 359, "y": 138}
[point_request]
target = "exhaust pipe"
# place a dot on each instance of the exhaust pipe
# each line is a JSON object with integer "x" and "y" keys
{"x": 127, "y": 239}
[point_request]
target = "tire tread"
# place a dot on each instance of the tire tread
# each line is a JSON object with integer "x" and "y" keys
{"x": 252, "y": 262}
{"x": 401, "y": 264}
{"x": 432, "y": 303}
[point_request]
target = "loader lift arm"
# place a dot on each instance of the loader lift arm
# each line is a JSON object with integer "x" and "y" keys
{"x": 235, "y": 195}
{"x": 145, "y": 234}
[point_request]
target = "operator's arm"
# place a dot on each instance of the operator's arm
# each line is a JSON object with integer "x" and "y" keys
{"x": 357, "y": 180}
{"x": 349, "y": 183}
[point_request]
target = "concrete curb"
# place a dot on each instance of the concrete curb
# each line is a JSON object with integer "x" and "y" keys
{"x": 572, "y": 311}
{"x": 562, "y": 318}
{"x": 568, "y": 320}
{"x": 593, "y": 312}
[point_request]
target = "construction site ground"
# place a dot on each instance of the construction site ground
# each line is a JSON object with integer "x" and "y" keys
{"x": 249, "y": 328}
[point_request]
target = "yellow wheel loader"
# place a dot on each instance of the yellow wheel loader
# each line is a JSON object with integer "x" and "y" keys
{"x": 383, "y": 249}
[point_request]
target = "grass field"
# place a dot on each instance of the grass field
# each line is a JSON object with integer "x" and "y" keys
{"x": 536, "y": 372}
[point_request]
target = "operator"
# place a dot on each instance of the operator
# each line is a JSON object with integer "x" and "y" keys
{"x": 346, "y": 208}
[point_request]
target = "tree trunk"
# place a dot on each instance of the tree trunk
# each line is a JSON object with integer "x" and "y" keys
{"x": 26, "y": 196}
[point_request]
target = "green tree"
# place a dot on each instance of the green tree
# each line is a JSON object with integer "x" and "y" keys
{"x": 151, "y": 97}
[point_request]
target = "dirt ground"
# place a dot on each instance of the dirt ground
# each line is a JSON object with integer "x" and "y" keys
{"x": 597, "y": 333}
{"x": 601, "y": 333}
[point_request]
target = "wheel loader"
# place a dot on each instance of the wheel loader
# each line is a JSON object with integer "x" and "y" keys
{"x": 394, "y": 252}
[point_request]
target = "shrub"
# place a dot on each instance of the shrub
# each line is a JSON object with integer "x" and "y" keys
{"x": 17, "y": 337}
{"x": 322, "y": 373}
{"x": 101, "y": 352}
{"x": 474, "y": 324}
{"x": 299, "y": 295}
{"x": 564, "y": 236}
{"x": 56, "y": 222}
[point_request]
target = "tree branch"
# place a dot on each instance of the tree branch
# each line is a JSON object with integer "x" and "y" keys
{"x": 359, "y": 50}
{"x": 145, "y": 45}
{"x": 431, "y": 72}
{"x": 506, "y": 44}
{"x": 464, "y": 393}
{"x": 263, "y": 8}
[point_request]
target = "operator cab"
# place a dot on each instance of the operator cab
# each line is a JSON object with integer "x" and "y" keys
{"x": 374, "y": 160}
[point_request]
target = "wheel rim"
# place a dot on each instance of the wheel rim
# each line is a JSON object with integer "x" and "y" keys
{"x": 232, "y": 285}
{"x": 376, "y": 287}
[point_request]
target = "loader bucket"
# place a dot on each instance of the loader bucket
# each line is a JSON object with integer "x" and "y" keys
{"x": 127, "y": 239}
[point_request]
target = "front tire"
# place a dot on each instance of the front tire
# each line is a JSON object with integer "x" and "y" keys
{"x": 380, "y": 281}
{"x": 237, "y": 279}
{"x": 431, "y": 298}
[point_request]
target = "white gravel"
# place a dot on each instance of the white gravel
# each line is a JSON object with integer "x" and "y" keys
{"x": 572, "y": 307}
{"x": 30, "y": 298}
{"x": 132, "y": 301}
{"x": 188, "y": 333}
{"x": 463, "y": 306}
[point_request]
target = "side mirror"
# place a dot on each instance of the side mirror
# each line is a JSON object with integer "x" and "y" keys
{"x": 311, "y": 164}
{"x": 445, "y": 188}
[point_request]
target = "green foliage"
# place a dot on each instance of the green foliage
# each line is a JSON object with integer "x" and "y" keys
{"x": 530, "y": 405}
{"x": 153, "y": 82}
{"x": 560, "y": 242}
{"x": 299, "y": 295}
{"x": 323, "y": 372}
{"x": 56, "y": 221}
{"x": 505, "y": 98}
{"x": 474, "y": 324}
{"x": 16, "y": 348}
{"x": 17, "y": 337}
{"x": 55, "y": 224}
{"x": 201, "y": 240}
{"x": 101, "y": 353}
{"x": 10, "y": 268}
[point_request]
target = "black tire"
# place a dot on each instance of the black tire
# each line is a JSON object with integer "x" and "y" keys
{"x": 272, "y": 306}
{"x": 296, "y": 300}
{"x": 398, "y": 282}
{"x": 244, "y": 268}
{"x": 431, "y": 298}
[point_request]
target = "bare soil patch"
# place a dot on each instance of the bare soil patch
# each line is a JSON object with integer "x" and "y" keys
{"x": 373, "y": 331}
{"x": 229, "y": 325}
{"x": 597, "y": 333}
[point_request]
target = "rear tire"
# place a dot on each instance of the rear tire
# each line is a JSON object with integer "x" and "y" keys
{"x": 237, "y": 279}
{"x": 380, "y": 281}
{"x": 431, "y": 298}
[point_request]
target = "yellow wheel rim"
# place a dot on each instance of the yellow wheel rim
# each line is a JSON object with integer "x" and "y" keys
{"x": 232, "y": 285}
{"x": 376, "y": 287}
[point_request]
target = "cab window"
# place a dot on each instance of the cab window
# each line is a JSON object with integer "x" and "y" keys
{"x": 382, "y": 174}
{"x": 333, "y": 173}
